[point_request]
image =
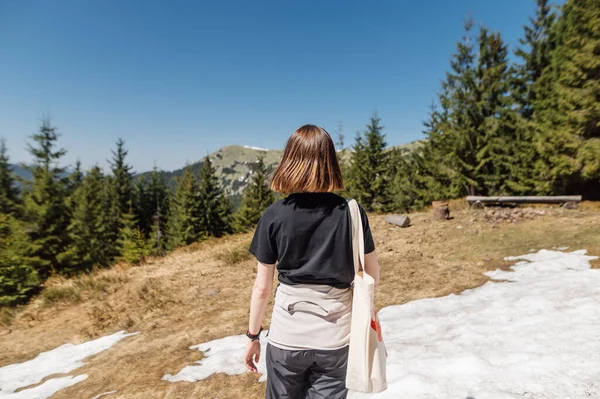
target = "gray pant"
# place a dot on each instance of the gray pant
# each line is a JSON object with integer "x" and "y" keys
{"x": 309, "y": 374}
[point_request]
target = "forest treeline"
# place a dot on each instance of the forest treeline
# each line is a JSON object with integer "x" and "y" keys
{"x": 531, "y": 127}
{"x": 527, "y": 127}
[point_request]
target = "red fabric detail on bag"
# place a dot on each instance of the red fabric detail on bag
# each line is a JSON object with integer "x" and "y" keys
{"x": 377, "y": 327}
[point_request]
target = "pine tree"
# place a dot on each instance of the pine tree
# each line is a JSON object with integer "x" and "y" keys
{"x": 19, "y": 278}
{"x": 45, "y": 206}
{"x": 88, "y": 230}
{"x": 75, "y": 178}
{"x": 460, "y": 127}
{"x": 144, "y": 205}
{"x": 257, "y": 197}
{"x": 184, "y": 221}
{"x": 498, "y": 121}
{"x": 131, "y": 239}
{"x": 568, "y": 114}
{"x": 423, "y": 175}
{"x": 158, "y": 197}
{"x": 536, "y": 52}
{"x": 122, "y": 177}
{"x": 215, "y": 208}
{"x": 120, "y": 196}
{"x": 367, "y": 175}
{"x": 9, "y": 194}
{"x": 527, "y": 90}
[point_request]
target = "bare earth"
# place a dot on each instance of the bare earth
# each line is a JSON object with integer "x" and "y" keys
{"x": 202, "y": 293}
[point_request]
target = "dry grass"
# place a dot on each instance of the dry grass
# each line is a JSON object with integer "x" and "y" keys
{"x": 202, "y": 292}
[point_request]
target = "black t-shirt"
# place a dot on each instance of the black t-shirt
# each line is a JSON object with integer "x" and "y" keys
{"x": 309, "y": 236}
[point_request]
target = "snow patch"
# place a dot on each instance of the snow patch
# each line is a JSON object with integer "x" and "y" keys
{"x": 255, "y": 148}
{"x": 224, "y": 355}
{"x": 104, "y": 394}
{"x": 532, "y": 333}
{"x": 47, "y": 389}
{"x": 61, "y": 360}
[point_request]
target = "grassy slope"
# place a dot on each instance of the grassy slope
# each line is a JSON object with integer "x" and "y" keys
{"x": 202, "y": 292}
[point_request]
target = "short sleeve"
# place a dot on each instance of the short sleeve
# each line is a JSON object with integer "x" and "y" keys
{"x": 264, "y": 244}
{"x": 368, "y": 237}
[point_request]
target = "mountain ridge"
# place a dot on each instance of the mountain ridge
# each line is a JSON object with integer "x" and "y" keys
{"x": 234, "y": 164}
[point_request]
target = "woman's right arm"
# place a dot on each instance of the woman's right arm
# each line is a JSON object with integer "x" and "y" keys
{"x": 372, "y": 266}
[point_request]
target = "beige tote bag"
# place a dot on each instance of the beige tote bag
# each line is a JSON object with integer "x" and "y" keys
{"x": 367, "y": 355}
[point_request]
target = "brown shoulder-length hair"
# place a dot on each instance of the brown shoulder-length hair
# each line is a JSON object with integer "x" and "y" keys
{"x": 309, "y": 163}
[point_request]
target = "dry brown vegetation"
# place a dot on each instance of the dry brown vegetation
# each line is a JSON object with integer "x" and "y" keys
{"x": 202, "y": 292}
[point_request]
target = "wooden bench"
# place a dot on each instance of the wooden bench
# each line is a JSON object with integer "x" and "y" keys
{"x": 567, "y": 201}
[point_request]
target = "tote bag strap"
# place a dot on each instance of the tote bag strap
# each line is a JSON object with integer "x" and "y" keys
{"x": 358, "y": 243}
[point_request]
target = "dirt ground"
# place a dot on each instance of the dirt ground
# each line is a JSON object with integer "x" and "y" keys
{"x": 202, "y": 292}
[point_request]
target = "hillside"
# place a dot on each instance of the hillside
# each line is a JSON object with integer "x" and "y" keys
{"x": 234, "y": 164}
{"x": 20, "y": 172}
{"x": 201, "y": 293}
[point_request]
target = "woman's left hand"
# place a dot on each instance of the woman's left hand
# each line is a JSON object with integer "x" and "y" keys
{"x": 252, "y": 355}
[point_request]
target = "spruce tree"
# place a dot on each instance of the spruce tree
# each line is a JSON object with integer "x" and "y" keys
{"x": 45, "y": 202}
{"x": 461, "y": 127}
{"x": 257, "y": 197}
{"x": 498, "y": 141}
{"x": 19, "y": 277}
{"x": 88, "y": 230}
{"x": 122, "y": 177}
{"x": 367, "y": 175}
{"x": 423, "y": 175}
{"x": 215, "y": 208}
{"x": 567, "y": 115}
{"x": 144, "y": 205}
{"x": 132, "y": 242}
{"x": 158, "y": 197}
{"x": 184, "y": 216}
{"x": 75, "y": 178}
{"x": 119, "y": 198}
{"x": 9, "y": 194}
{"x": 535, "y": 52}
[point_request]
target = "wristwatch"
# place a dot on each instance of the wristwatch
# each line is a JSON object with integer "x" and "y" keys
{"x": 252, "y": 336}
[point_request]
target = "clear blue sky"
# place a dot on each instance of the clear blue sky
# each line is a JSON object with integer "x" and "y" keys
{"x": 180, "y": 79}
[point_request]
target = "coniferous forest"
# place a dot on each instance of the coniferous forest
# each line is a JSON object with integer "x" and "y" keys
{"x": 497, "y": 127}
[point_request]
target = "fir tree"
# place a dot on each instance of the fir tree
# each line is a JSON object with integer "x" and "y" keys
{"x": 184, "y": 222}
{"x": 498, "y": 121}
{"x": 460, "y": 127}
{"x": 568, "y": 114}
{"x": 215, "y": 208}
{"x": 158, "y": 195}
{"x": 131, "y": 239}
{"x": 119, "y": 198}
{"x": 45, "y": 205}
{"x": 257, "y": 197}
{"x": 340, "y": 136}
{"x": 527, "y": 90}
{"x": 88, "y": 230}
{"x": 423, "y": 175}
{"x": 19, "y": 278}
{"x": 122, "y": 177}
{"x": 536, "y": 52}
{"x": 367, "y": 174}
{"x": 75, "y": 178}
{"x": 9, "y": 194}
{"x": 144, "y": 205}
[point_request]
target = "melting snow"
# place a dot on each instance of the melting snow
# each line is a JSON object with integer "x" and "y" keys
{"x": 533, "y": 333}
{"x": 104, "y": 394}
{"x": 255, "y": 148}
{"x": 223, "y": 355}
{"x": 61, "y": 360}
